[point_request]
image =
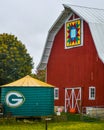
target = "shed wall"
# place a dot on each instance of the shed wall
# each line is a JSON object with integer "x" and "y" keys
{"x": 38, "y": 101}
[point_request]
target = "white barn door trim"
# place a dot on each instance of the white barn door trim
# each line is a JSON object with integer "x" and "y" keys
{"x": 73, "y": 98}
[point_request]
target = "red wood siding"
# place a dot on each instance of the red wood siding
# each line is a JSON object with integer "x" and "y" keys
{"x": 76, "y": 67}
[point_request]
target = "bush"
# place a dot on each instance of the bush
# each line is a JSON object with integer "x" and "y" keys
{"x": 72, "y": 117}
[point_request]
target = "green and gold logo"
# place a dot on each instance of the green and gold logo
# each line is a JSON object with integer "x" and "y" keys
{"x": 14, "y": 99}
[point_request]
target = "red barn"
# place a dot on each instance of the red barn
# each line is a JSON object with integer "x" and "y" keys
{"x": 74, "y": 58}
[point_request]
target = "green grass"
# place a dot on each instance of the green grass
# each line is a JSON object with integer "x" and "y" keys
{"x": 54, "y": 126}
{"x": 64, "y": 122}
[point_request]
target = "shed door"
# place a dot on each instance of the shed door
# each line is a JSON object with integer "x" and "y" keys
{"x": 73, "y": 99}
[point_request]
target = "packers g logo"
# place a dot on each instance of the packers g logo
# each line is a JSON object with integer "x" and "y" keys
{"x": 14, "y": 99}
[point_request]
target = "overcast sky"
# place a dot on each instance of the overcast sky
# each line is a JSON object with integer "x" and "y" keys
{"x": 30, "y": 20}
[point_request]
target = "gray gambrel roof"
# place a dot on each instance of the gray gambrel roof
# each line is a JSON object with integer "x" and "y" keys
{"x": 95, "y": 19}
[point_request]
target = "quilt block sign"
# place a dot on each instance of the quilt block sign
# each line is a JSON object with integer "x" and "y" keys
{"x": 73, "y": 33}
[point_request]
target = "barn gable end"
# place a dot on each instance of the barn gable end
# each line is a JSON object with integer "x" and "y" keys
{"x": 95, "y": 19}
{"x": 74, "y": 57}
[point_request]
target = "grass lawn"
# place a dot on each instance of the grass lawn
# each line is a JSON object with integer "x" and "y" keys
{"x": 66, "y": 125}
{"x": 63, "y": 122}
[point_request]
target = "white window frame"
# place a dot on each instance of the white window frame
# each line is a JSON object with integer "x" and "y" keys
{"x": 92, "y": 93}
{"x": 56, "y": 93}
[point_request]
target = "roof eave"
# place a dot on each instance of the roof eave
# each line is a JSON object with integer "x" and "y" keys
{"x": 50, "y": 38}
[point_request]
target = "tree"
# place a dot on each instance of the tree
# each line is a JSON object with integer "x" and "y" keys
{"x": 15, "y": 61}
{"x": 41, "y": 74}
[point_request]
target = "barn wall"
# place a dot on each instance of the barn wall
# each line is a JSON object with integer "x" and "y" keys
{"x": 76, "y": 67}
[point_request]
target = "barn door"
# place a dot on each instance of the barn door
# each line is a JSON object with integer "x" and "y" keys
{"x": 73, "y": 99}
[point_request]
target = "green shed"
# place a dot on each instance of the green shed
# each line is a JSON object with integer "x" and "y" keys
{"x": 28, "y": 97}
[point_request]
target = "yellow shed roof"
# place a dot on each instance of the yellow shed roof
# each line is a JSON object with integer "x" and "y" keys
{"x": 28, "y": 81}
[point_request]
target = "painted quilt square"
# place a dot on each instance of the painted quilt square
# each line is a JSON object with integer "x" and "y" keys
{"x": 73, "y": 33}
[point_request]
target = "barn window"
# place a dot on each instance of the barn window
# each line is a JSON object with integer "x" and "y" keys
{"x": 56, "y": 93}
{"x": 92, "y": 93}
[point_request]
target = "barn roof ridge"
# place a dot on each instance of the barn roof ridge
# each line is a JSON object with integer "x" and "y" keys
{"x": 88, "y": 14}
{"x": 68, "y": 5}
